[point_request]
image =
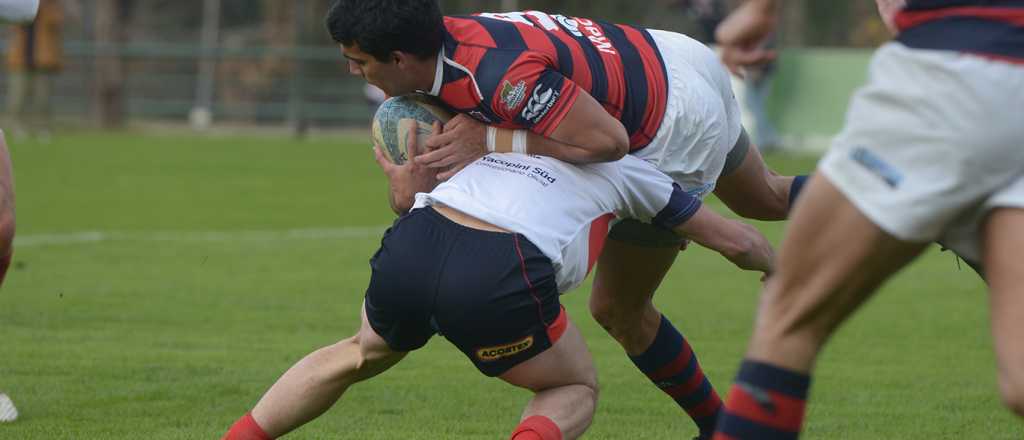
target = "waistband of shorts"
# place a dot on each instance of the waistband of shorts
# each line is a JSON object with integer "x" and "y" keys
{"x": 447, "y": 223}
{"x": 478, "y": 234}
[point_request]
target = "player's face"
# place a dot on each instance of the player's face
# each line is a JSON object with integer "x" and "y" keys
{"x": 384, "y": 74}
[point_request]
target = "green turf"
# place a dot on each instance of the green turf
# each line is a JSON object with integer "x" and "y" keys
{"x": 224, "y": 260}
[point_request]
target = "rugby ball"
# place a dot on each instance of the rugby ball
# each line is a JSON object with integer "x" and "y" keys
{"x": 397, "y": 117}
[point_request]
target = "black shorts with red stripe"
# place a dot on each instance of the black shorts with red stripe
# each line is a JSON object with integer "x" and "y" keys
{"x": 491, "y": 294}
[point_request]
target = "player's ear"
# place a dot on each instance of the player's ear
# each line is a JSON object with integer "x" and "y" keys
{"x": 399, "y": 58}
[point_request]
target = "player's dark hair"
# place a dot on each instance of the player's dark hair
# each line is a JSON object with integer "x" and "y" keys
{"x": 380, "y": 27}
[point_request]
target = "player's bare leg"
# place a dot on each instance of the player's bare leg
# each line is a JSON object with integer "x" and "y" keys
{"x": 754, "y": 191}
{"x": 627, "y": 276}
{"x": 832, "y": 259}
{"x": 1004, "y": 237}
{"x": 565, "y": 383}
{"x": 315, "y": 383}
{"x": 8, "y": 412}
{"x": 6, "y": 207}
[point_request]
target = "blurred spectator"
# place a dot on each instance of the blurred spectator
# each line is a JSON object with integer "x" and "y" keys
{"x": 751, "y": 91}
{"x": 35, "y": 55}
{"x": 708, "y": 14}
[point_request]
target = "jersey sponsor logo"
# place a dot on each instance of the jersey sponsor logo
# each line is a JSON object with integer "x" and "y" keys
{"x": 513, "y": 95}
{"x": 540, "y": 175}
{"x": 540, "y": 103}
{"x": 491, "y": 354}
{"x": 596, "y": 36}
{"x": 578, "y": 27}
{"x": 546, "y": 21}
{"x": 571, "y": 26}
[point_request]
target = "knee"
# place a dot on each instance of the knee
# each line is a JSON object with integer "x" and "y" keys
{"x": 591, "y": 392}
{"x": 602, "y": 310}
{"x": 614, "y": 316}
{"x": 787, "y": 327}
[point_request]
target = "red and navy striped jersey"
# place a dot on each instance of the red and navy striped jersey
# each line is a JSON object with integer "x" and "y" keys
{"x": 526, "y": 69}
{"x": 992, "y": 28}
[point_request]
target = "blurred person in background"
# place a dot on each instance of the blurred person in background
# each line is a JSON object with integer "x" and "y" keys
{"x": 10, "y": 11}
{"x": 34, "y": 56}
{"x": 752, "y": 91}
{"x": 753, "y": 88}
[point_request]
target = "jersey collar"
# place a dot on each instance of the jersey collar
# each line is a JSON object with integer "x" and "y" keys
{"x": 438, "y": 74}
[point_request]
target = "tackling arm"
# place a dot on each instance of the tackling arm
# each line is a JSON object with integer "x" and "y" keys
{"x": 738, "y": 242}
{"x": 587, "y": 134}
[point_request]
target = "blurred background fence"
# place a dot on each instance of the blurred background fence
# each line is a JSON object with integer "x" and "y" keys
{"x": 270, "y": 62}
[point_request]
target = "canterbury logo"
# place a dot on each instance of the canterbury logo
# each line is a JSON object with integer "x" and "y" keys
{"x": 502, "y": 351}
{"x": 539, "y": 104}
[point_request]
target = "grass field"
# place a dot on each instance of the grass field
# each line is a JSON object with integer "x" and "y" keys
{"x": 162, "y": 283}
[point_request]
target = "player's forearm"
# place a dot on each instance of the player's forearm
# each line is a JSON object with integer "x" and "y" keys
{"x": 738, "y": 242}
{"x": 599, "y": 147}
{"x": 400, "y": 203}
{"x": 587, "y": 134}
{"x": 748, "y": 249}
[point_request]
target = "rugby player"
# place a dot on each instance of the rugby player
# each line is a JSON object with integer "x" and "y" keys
{"x": 482, "y": 260}
{"x": 582, "y": 91}
{"x": 931, "y": 150}
{"x": 11, "y": 11}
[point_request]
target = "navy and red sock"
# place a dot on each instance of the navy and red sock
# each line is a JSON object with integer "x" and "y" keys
{"x": 672, "y": 365}
{"x": 765, "y": 402}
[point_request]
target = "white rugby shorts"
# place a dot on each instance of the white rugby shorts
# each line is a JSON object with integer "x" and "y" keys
{"x": 931, "y": 142}
{"x": 702, "y": 117}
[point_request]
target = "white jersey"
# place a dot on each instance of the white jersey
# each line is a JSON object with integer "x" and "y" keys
{"x": 562, "y": 209}
{"x": 16, "y": 11}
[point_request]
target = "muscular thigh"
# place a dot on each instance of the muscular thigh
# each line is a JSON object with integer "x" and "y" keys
{"x": 831, "y": 260}
{"x": 1003, "y": 233}
{"x": 628, "y": 273}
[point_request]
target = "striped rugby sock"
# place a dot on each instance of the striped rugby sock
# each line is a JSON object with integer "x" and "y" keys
{"x": 765, "y": 402}
{"x": 672, "y": 365}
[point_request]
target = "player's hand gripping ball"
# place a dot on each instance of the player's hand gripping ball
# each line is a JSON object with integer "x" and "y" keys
{"x": 398, "y": 116}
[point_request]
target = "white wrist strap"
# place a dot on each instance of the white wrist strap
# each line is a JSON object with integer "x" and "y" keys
{"x": 492, "y": 134}
{"x": 519, "y": 141}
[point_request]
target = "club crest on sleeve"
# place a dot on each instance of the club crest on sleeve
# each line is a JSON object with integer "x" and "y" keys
{"x": 513, "y": 95}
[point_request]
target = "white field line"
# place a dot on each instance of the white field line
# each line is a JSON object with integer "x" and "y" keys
{"x": 89, "y": 237}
